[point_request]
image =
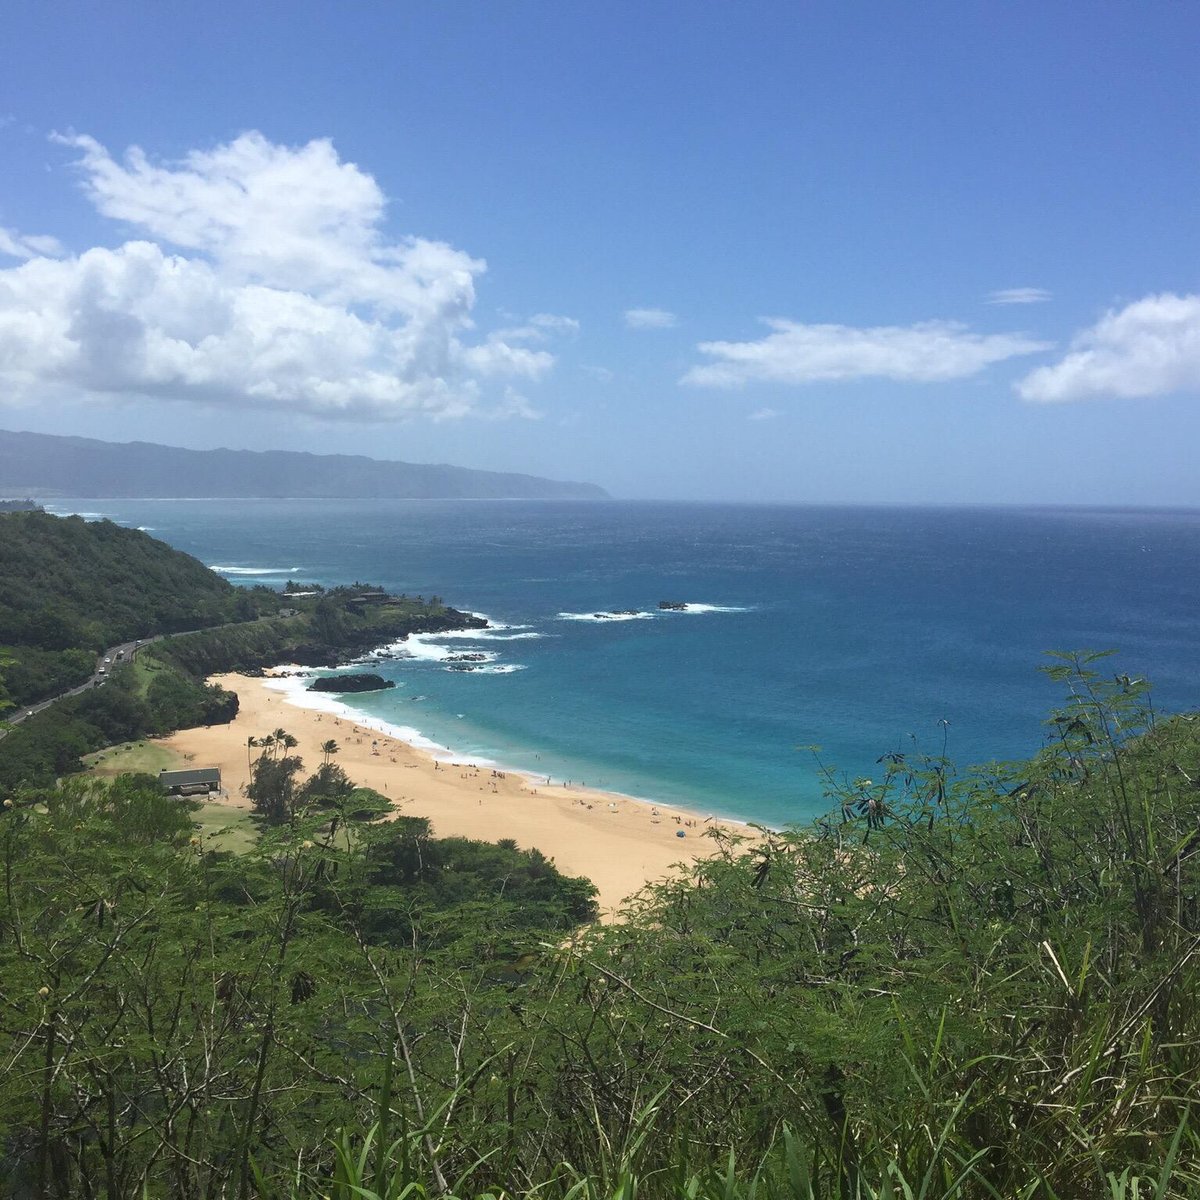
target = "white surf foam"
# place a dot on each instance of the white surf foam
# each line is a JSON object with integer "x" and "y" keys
{"x": 254, "y": 570}
{"x": 475, "y": 655}
{"x": 483, "y": 635}
{"x": 295, "y": 691}
{"x": 421, "y": 647}
{"x": 494, "y": 624}
{"x": 707, "y": 608}
{"x": 601, "y": 618}
{"x": 480, "y": 669}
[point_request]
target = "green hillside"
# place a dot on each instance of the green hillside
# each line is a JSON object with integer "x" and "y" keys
{"x": 70, "y": 588}
{"x": 66, "y": 582}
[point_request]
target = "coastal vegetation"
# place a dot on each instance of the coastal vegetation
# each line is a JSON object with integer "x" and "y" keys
{"x": 955, "y": 985}
{"x": 70, "y": 589}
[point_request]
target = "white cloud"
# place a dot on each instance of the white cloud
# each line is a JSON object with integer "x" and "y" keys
{"x": 1151, "y": 347}
{"x": 514, "y": 405}
{"x": 1021, "y": 295}
{"x": 498, "y": 356}
{"x": 16, "y": 245}
{"x": 602, "y": 374}
{"x": 539, "y": 328}
{"x": 763, "y": 414}
{"x": 282, "y": 291}
{"x": 554, "y": 324}
{"x": 650, "y": 318}
{"x": 930, "y": 352}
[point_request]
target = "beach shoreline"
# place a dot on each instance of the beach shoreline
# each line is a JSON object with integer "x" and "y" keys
{"x": 620, "y": 843}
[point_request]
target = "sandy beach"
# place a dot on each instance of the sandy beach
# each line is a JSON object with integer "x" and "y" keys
{"x": 617, "y": 842}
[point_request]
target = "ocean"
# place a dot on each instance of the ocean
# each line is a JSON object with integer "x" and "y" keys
{"x": 858, "y": 630}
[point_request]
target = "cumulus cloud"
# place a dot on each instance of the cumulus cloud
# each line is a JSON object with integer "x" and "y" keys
{"x": 1021, "y": 295}
{"x": 1151, "y": 347}
{"x": 499, "y": 356}
{"x": 792, "y": 353}
{"x": 650, "y": 318}
{"x": 256, "y": 274}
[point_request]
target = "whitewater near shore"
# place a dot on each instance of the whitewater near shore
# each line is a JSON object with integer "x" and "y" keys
{"x": 619, "y": 843}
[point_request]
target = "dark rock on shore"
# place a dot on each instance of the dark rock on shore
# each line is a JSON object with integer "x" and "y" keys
{"x": 356, "y": 643}
{"x": 351, "y": 683}
{"x": 673, "y": 605}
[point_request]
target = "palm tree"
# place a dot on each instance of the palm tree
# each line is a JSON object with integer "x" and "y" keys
{"x": 328, "y": 750}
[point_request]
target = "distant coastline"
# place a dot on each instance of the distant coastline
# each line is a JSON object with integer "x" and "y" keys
{"x": 46, "y": 464}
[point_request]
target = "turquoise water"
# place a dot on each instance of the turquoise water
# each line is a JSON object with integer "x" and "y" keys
{"x": 852, "y": 628}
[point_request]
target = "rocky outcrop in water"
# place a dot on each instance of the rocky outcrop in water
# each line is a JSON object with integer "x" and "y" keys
{"x": 351, "y": 683}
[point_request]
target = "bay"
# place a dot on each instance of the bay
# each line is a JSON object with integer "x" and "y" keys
{"x": 861, "y": 630}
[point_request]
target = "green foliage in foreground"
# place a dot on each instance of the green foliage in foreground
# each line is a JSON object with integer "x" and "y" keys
{"x": 955, "y": 987}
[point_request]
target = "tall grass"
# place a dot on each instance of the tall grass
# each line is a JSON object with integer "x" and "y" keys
{"x": 792, "y": 1169}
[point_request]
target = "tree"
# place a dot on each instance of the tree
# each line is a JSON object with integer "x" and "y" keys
{"x": 272, "y": 787}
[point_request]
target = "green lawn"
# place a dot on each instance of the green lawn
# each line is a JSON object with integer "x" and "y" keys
{"x": 225, "y": 828}
{"x": 145, "y": 666}
{"x": 128, "y": 757}
{"x": 221, "y": 827}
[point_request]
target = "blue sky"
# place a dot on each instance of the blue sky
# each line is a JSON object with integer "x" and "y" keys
{"x": 753, "y": 251}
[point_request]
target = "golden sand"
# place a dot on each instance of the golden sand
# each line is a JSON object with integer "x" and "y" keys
{"x": 619, "y": 843}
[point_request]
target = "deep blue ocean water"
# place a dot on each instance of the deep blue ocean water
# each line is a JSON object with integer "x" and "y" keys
{"x": 852, "y": 628}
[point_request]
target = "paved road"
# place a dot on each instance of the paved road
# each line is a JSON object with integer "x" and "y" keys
{"x": 114, "y": 656}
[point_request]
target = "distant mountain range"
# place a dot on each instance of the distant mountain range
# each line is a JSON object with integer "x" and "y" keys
{"x": 39, "y": 464}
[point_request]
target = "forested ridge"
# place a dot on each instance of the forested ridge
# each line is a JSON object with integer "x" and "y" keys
{"x": 68, "y": 583}
{"x": 46, "y": 464}
{"x": 69, "y": 588}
